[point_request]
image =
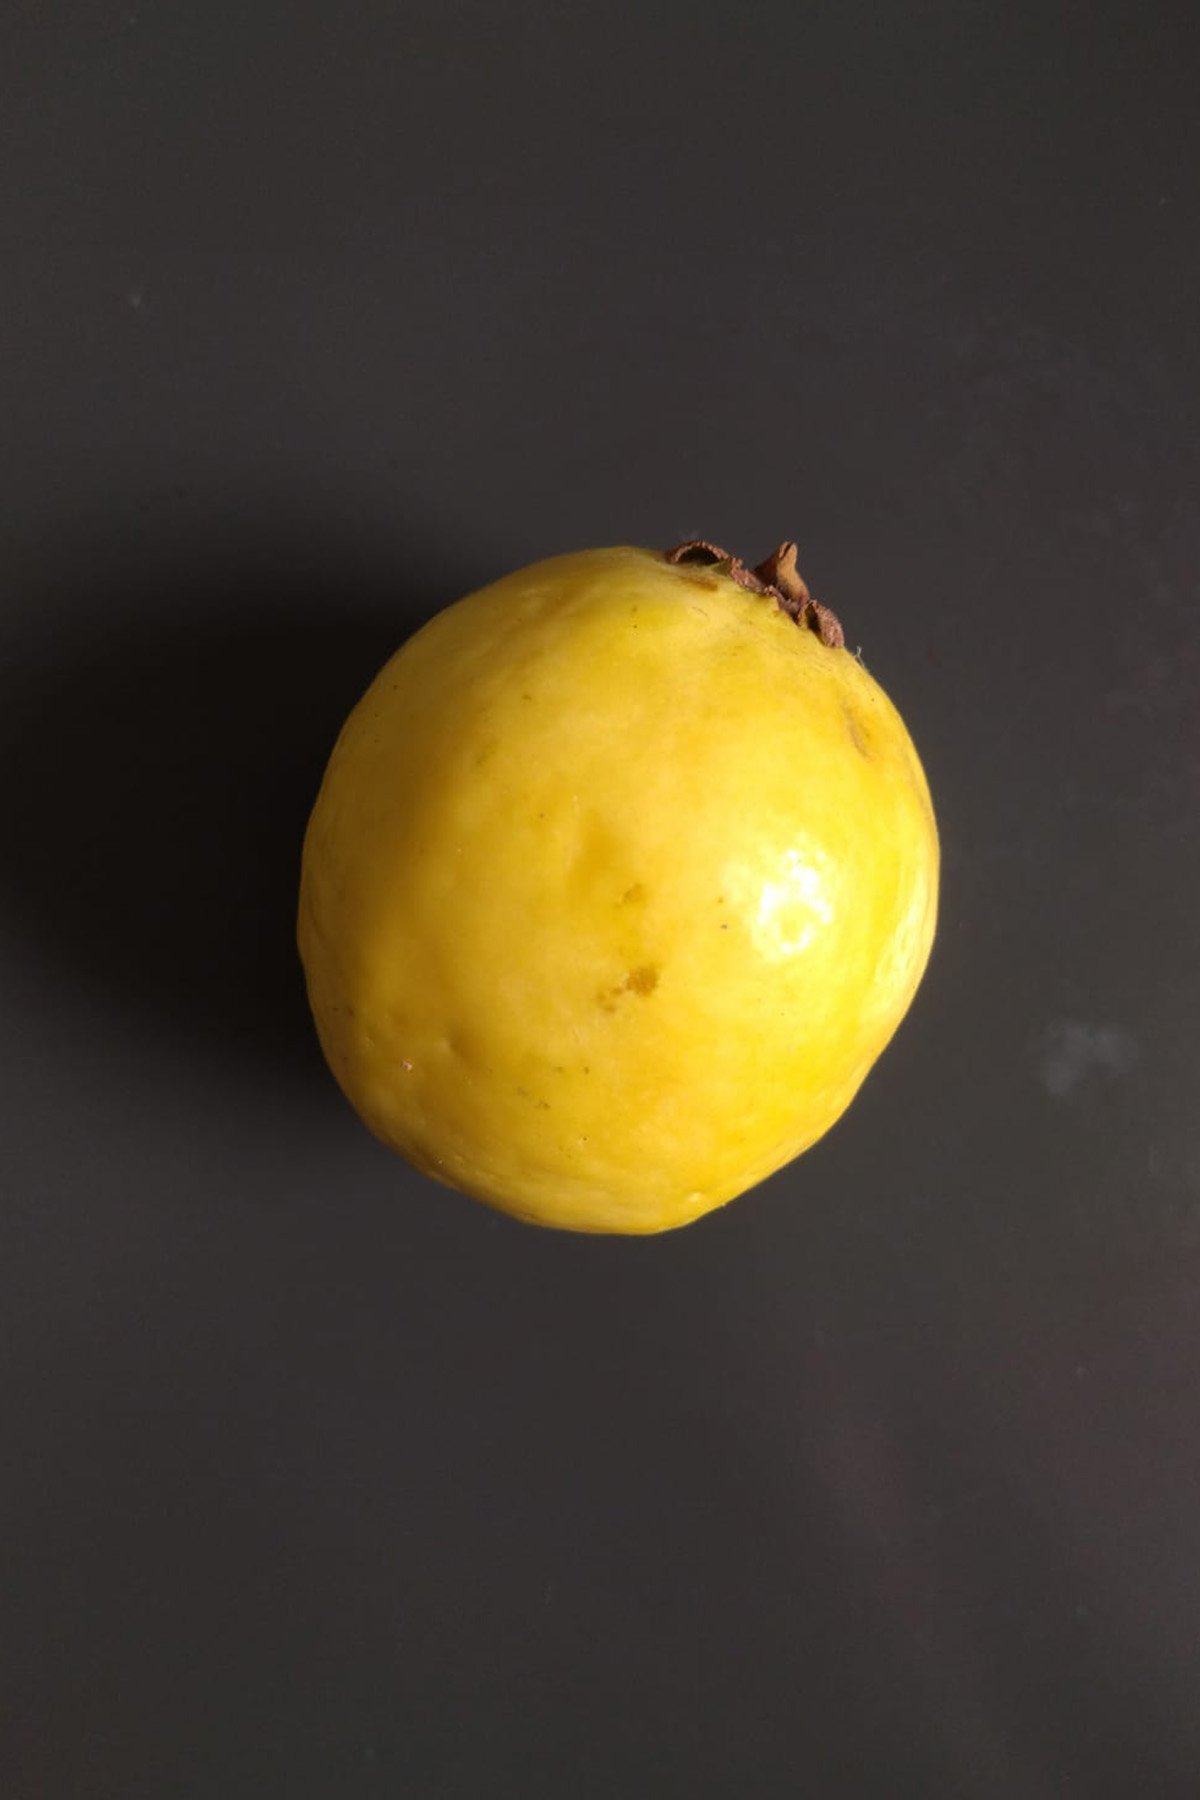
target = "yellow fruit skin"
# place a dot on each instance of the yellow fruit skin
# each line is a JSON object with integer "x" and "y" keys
{"x": 617, "y": 884}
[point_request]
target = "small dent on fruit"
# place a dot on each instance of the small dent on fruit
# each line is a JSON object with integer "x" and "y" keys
{"x": 854, "y": 725}
{"x": 635, "y": 895}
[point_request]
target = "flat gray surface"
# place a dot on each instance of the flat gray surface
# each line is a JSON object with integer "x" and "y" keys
{"x": 318, "y": 1481}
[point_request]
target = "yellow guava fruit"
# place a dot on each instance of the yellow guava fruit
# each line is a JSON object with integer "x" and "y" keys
{"x": 622, "y": 874}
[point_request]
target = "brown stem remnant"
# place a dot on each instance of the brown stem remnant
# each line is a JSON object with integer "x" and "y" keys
{"x": 777, "y": 576}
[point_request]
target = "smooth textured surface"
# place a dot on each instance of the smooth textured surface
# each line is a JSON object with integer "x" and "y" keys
{"x": 617, "y": 884}
{"x": 317, "y": 1482}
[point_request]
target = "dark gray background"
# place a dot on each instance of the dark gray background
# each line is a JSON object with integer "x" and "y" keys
{"x": 317, "y": 1480}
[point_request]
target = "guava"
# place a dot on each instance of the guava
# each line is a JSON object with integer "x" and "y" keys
{"x": 622, "y": 874}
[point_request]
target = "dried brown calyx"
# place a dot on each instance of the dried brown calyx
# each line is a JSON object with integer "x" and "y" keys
{"x": 777, "y": 577}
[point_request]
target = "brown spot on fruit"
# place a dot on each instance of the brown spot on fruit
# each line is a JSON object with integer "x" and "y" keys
{"x": 635, "y": 895}
{"x": 642, "y": 980}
